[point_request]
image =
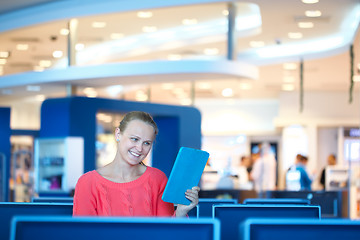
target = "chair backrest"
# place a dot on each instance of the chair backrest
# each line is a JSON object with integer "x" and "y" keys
{"x": 53, "y": 199}
{"x": 329, "y": 201}
{"x": 206, "y": 204}
{"x": 9, "y": 209}
{"x": 231, "y": 216}
{"x": 299, "y": 229}
{"x": 134, "y": 228}
{"x": 299, "y": 201}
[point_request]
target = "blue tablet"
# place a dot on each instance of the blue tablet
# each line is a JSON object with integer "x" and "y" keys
{"x": 185, "y": 174}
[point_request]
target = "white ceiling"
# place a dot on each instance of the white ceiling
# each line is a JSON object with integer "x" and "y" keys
{"x": 325, "y": 68}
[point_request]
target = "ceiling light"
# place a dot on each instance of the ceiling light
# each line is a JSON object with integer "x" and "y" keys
{"x": 289, "y": 66}
{"x": 33, "y": 88}
{"x": 3, "y": 61}
{"x": 22, "y": 47}
{"x": 144, "y": 14}
{"x": 79, "y": 46}
{"x": 38, "y": 69}
{"x": 98, "y": 24}
{"x": 204, "y": 86}
{"x": 114, "y": 90}
{"x": 40, "y": 98}
{"x": 188, "y": 21}
{"x": 305, "y": 24}
{"x": 211, "y": 51}
{"x": 315, "y": 13}
{"x": 57, "y": 54}
{"x": 64, "y": 31}
{"x": 245, "y": 86}
{"x": 4, "y": 54}
{"x": 310, "y": 1}
{"x": 227, "y": 92}
{"x": 116, "y": 35}
{"x": 288, "y": 87}
{"x": 148, "y": 29}
{"x": 141, "y": 96}
{"x": 45, "y": 63}
{"x": 225, "y": 12}
{"x": 174, "y": 57}
{"x": 295, "y": 35}
{"x": 356, "y": 78}
{"x": 90, "y": 92}
{"x": 256, "y": 44}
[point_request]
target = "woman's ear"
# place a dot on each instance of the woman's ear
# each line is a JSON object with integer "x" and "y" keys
{"x": 117, "y": 134}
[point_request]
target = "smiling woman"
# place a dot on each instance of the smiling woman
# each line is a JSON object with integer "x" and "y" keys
{"x": 126, "y": 186}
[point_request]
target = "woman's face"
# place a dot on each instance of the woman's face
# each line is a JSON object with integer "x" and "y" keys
{"x": 135, "y": 142}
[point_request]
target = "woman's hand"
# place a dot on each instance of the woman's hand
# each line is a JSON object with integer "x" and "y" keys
{"x": 193, "y": 196}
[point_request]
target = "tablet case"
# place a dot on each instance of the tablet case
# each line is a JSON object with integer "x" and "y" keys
{"x": 185, "y": 174}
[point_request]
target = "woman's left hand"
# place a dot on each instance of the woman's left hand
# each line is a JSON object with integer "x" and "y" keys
{"x": 193, "y": 196}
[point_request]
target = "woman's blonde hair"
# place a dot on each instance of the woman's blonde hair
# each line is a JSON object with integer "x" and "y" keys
{"x": 138, "y": 115}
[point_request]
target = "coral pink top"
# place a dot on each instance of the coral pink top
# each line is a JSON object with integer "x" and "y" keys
{"x": 96, "y": 195}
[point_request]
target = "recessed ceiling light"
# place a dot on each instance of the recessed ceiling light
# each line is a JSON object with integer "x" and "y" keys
{"x": 116, "y": 35}
{"x": 204, "y": 85}
{"x": 144, "y": 14}
{"x": 310, "y": 1}
{"x": 188, "y": 21}
{"x": 245, "y": 86}
{"x": 148, "y": 29}
{"x": 211, "y": 51}
{"x": 64, "y": 31}
{"x": 305, "y": 24}
{"x": 4, "y": 54}
{"x": 174, "y": 57}
{"x": 141, "y": 96}
{"x": 3, "y": 61}
{"x": 57, "y": 54}
{"x": 22, "y": 47}
{"x": 356, "y": 78}
{"x": 79, "y": 46}
{"x": 315, "y": 13}
{"x": 225, "y": 12}
{"x": 290, "y": 66}
{"x": 98, "y": 24}
{"x": 45, "y": 63}
{"x": 295, "y": 35}
{"x": 227, "y": 92}
{"x": 256, "y": 44}
{"x": 288, "y": 87}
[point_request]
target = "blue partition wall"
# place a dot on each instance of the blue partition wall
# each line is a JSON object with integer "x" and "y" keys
{"x": 76, "y": 116}
{"x": 5, "y": 133}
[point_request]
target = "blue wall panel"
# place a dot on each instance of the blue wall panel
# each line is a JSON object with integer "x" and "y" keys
{"x": 76, "y": 116}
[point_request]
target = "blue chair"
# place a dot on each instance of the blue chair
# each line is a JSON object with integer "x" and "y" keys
{"x": 299, "y": 229}
{"x": 95, "y": 228}
{"x": 231, "y": 216}
{"x": 53, "y": 199}
{"x": 9, "y": 209}
{"x": 206, "y": 205}
{"x": 299, "y": 201}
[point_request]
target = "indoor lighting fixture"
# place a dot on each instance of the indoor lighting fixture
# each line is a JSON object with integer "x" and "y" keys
{"x": 288, "y": 87}
{"x": 90, "y": 92}
{"x": 211, "y": 51}
{"x": 79, "y": 46}
{"x": 356, "y": 78}
{"x": 227, "y": 92}
{"x": 289, "y": 66}
{"x": 116, "y": 36}
{"x": 256, "y": 44}
{"x": 3, "y": 61}
{"x": 144, "y": 14}
{"x": 174, "y": 57}
{"x": 64, "y": 31}
{"x": 305, "y": 24}
{"x": 245, "y": 86}
{"x": 40, "y": 98}
{"x": 310, "y": 1}
{"x": 315, "y": 13}
{"x": 225, "y": 12}
{"x": 204, "y": 85}
{"x": 45, "y": 63}
{"x": 57, "y": 54}
{"x": 98, "y": 24}
{"x": 149, "y": 29}
{"x": 167, "y": 86}
{"x": 22, "y": 47}
{"x": 4, "y": 54}
{"x": 188, "y": 21}
{"x": 295, "y": 35}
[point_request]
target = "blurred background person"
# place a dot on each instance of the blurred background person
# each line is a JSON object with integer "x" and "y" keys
{"x": 331, "y": 161}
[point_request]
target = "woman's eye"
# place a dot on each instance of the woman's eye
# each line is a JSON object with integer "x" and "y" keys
{"x": 134, "y": 139}
{"x": 147, "y": 143}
